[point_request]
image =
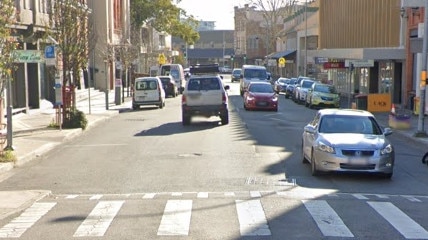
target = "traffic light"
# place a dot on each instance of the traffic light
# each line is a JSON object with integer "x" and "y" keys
{"x": 185, "y": 55}
{"x": 245, "y": 58}
{"x": 232, "y": 57}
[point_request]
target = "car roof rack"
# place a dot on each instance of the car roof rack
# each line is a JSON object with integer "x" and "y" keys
{"x": 204, "y": 69}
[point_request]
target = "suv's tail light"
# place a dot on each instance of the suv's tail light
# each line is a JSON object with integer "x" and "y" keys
{"x": 224, "y": 98}
{"x": 183, "y": 99}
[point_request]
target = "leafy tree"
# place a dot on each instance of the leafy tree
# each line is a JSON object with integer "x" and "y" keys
{"x": 72, "y": 38}
{"x": 164, "y": 16}
{"x": 7, "y": 43}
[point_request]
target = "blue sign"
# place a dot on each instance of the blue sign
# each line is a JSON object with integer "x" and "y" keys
{"x": 50, "y": 51}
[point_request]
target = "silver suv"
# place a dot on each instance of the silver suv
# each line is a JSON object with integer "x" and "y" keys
{"x": 205, "y": 95}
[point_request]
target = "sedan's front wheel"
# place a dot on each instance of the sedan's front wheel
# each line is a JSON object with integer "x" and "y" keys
{"x": 314, "y": 170}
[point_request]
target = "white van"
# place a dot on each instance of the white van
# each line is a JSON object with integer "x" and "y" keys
{"x": 148, "y": 91}
{"x": 176, "y": 71}
{"x": 250, "y": 73}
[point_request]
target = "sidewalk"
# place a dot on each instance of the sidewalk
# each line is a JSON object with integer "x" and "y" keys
{"x": 32, "y": 136}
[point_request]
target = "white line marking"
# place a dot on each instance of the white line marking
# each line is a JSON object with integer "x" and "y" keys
{"x": 176, "y": 218}
{"x": 252, "y": 219}
{"x": 176, "y": 194}
{"x": 202, "y": 195}
{"x": 28, "y": 218}
{"x": 97, "y": 222}
{"x": 149, "y": 195}
{"x": 399, "y": 220}
{"x": 382, "y": 196}
{"x": 96, "y": 197}
{"x": 327, "y": 219}
{"x": 412, "y": 199}
{"x": 71, "y": 196}
{"x": 229, "y": 194}
{"x": 359, "y": 196}
{"x": 98, "y": 145}
{"x": 255, "y": 194}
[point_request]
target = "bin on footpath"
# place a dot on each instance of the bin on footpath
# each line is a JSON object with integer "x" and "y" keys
{"x": 361, "y": 101}
{"x": 399, "y": 118}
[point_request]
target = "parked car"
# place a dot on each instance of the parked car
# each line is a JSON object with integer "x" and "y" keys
{"x": 280, "y": 85}
{"x": 347, "y": 140}
{"x": 169, "y": 85}
{"x": 290, "y": 87}
{"x": 205, "y": 95}
{"x": 322, "y": 95}
{"x": 176, "y": 71}
{"x": 260, "y": 95}
{"x": 301, "y": 90}
{"x": 236, "y": 74}
{"x": 148, "y": 91}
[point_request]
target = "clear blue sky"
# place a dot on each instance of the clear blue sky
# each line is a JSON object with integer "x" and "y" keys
{"x": 220, "y": 11}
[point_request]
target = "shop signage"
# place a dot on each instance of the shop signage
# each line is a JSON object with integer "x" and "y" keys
{"x": 332, "y": 65}
{"x": 359, "y": 63}
{"x": 28, "y": 56}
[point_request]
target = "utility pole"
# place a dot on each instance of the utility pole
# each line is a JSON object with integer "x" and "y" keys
{"x": 421, "y": 132}
{"x": 306, "y": 38}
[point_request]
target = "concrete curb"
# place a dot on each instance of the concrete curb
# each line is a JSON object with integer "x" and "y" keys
{"x": 12, "y": 202}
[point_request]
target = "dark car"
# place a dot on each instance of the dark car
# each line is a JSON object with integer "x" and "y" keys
{"x": 236, "y": 74}
{"x": 290, "y": 87}
{"x": 280, "y": 85}
{"x": 169, "y": 85}
{"x": 261, "y": 96}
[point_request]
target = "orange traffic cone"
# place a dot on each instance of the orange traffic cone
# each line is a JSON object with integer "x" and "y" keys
{"x": 393, "y": 109}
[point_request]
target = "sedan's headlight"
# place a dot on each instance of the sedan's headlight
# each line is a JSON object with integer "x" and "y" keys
{"x": 250, "y": 98}
{"x": 386, "y": 150}
{"x": 275, "y": 98}
{"x": 325, "y": 148}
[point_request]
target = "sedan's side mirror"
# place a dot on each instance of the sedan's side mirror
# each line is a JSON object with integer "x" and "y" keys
{"x": 309, "y": 129}
{"x": 227, "y": 87}
{"x": 387, "y": 131}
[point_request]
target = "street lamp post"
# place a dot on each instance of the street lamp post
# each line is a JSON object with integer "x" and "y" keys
{"x": 421, "y": 132}
{"x": 9, "y": 137}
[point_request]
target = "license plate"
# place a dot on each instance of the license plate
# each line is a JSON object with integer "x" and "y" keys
{"x": 262, "y": 103}
{"x": 141, "y": 97}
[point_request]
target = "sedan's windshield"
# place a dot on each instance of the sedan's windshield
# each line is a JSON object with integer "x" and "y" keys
{"x": 325, "y": 89}
{"x": 261, "y": 88}
{"x": 307, "y": 84}
{"x": 349, "y": 124}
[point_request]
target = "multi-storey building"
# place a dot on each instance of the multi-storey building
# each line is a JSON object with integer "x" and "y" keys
{"x": 111, "y": 35}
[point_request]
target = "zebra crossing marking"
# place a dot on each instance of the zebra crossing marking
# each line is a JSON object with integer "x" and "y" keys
{"x": 255, "y": 194}
{"x": 360, "y": 196}
{"x": 98, "y": 221}
{"x": 28, "y": 218}
{"x": 327, "y": 219}
{"x": 412, "y": 199}
{"x": 176, "y": 218}
{"x": 252, "y": 219}
{"x": 399, "y": 220}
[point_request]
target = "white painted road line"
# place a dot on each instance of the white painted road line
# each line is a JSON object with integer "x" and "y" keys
{"x": 359, "y": 196}
{"x": 149, "y": 195}
{"x": 255, "y": 194}
{"x": 329, "y": 223}
{"x": 202, "y": 195}
{"x": 28, "y": 218}
{"x": 399, "y": 220}
{"x": 97, "y": 222}
{"x": 252, "y": 219}
{"x": 96, "y": 197}
{"x": 176, "y": 218}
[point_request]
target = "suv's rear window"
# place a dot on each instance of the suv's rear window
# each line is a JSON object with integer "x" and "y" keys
{"x": 203, "y": 84}
{"x": 146, "y": 85}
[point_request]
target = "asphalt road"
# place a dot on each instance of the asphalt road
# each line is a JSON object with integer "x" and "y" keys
{"x": 142, "y": 175}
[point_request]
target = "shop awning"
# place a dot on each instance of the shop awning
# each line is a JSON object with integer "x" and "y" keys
{"x": 281, "y": 54}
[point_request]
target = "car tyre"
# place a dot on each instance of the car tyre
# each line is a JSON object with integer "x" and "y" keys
{"x": 314, "y": 170}
{"x": 304, "y": 159}
{"x": 186, "y": 119}
{"x": 135, "y": 107}
{"x": 224, "y": 119}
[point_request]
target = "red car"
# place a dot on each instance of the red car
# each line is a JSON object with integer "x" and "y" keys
{"x": 260, "y": 95}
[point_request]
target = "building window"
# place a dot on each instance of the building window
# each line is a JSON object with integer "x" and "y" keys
{"x": 117, "y": 12}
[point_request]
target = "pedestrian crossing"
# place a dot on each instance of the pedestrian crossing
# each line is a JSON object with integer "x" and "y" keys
{"x": 231, "y": 218}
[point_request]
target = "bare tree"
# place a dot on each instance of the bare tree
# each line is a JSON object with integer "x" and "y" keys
{"x": 274, "y": 12}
